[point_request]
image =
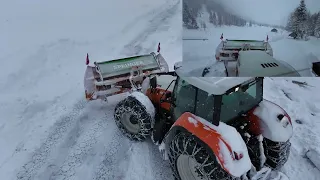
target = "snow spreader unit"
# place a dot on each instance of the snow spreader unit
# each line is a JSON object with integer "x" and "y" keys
{"x": 107, "y": 78}
{"x": 208, "y": 128}
{"x": 228, "y": 50}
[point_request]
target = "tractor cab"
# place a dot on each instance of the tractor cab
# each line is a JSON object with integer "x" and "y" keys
{"x": 214, "y": 99}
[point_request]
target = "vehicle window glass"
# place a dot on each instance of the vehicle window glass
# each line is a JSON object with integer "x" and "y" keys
{"x": 184, "y": 98}
{"x": 240, "y": 101}
{"x": 204, "y": 105}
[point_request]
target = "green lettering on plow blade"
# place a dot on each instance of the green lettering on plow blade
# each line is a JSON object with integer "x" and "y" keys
{"x": 124, "y": 65}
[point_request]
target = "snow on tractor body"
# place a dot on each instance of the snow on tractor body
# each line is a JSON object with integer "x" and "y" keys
{"x": 258, "y": 63}
{"x": 228, "y": 50}
{"x": 209, "y": 128}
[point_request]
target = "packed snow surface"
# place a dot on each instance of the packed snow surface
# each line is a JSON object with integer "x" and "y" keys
{"x": 232, "y": 137}
{"x": 47, "y": 129}
{"x": 298, "y": 54}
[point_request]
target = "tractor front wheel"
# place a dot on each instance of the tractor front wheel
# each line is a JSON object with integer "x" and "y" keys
{"x": 133, "y": 119}
{"x": 190, "y": 160}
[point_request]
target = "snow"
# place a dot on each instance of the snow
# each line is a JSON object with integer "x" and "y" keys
{"x": 146, "y": 102}
{"x": 145, "y": 85}
{"x": 214, "y": 85}
{"x": 273, "y": 128}
{"x": 232, "y": 137}
{"x": 262, "y": 155}
{"x": 314, "y": 157}
{"x": 198, "y": 54}
{"x": 47, "y": 129}
{"x": 193, "y": 121}
{"x": 301, "y": 103}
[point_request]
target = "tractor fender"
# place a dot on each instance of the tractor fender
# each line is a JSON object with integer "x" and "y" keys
{"x": 271, "y": 121}
{"x": 229, "y": 148}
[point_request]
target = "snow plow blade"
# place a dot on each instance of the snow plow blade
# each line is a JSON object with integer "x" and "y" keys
{"x": 228, "y": 50}
{"x": 117, "y": 76}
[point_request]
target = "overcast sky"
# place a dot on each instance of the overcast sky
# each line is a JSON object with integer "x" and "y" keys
{"x": 268, "y": 11}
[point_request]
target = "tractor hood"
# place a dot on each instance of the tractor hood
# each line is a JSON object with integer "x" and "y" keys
{"x": 275, "y": 123}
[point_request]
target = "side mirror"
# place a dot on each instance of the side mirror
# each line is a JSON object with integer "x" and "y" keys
{"x": 153, "y": 82}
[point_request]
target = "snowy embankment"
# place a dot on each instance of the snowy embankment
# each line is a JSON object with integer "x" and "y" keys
{"x": 302, "y": 103}
{"x": 47, "y": 130}
{"x": 297, "y": 53}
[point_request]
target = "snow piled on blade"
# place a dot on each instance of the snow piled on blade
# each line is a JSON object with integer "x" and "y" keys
{"x": 234, "y": 139}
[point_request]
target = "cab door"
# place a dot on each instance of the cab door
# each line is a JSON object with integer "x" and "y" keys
{"x": 183, "y": 98}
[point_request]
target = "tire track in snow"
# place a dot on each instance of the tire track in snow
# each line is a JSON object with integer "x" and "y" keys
{"x": 40, "y": 156}
{"x": 79, "y": 152}
{"x": 78, "y": 144}
{"x": 158, "y": 22}
{"x": 116, "y": 159}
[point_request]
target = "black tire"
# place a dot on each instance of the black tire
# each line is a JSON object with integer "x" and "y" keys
{"x": 276, "y": 153}
{"x": 185, "y": 144}
{"x": 133, "y": 119}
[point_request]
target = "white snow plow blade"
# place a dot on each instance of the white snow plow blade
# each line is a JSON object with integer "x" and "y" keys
{"x": 228, "y": 50}
{"x": 266, "y": 174}
{"x": 108, "y": 78}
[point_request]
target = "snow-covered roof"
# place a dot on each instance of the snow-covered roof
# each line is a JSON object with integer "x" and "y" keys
{"x": 259, "y": 63}
{"x": 215, "y": 85}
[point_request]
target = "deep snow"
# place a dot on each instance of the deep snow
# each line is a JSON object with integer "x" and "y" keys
{"x": 47, "y": 130}
{"x": 198, "y": 53}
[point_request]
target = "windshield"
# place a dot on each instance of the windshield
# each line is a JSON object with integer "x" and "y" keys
{"x": 241, "y": 99}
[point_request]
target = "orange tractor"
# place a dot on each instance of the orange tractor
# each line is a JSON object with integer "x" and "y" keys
{"x": 209, "y": 128}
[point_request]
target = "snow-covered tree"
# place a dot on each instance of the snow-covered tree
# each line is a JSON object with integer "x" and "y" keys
{"x": 301, "y": 18}
{"x": 317, "y": 27}
{"x": 189, "y": 20}
{"x": 298, "y": 19}
{"x": 203, "y": 17}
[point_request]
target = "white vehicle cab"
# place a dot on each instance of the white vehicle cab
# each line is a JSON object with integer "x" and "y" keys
{"x": 258, "y": 63}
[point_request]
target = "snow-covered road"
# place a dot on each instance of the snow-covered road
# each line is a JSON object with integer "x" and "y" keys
{"x": 297, "y": 53}
{"x": 47, "y": 130}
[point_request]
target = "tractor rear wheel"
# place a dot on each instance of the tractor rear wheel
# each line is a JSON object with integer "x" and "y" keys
{"x": 190, "y": 160}
{"x": 133, "y": 119}
{"x": 276, "y": 153}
